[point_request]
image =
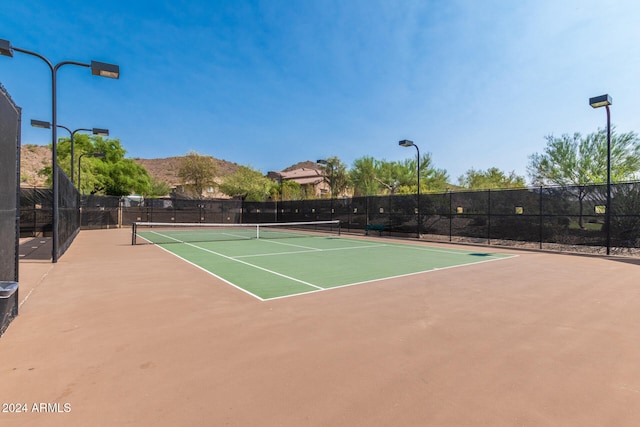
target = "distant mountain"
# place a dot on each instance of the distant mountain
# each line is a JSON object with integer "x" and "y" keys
{"x": 34, "y": 158}
{"x": 166, "y": 170}
{"x": 308, "y": 164}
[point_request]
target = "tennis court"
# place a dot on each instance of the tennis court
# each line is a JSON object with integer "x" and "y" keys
{"x": 541, "y": 339}
{"x": 271, "y": 261}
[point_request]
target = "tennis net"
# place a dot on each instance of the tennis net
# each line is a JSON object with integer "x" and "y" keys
{"x": 161, "y": 233}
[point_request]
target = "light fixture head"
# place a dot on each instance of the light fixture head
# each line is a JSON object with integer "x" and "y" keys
{"x": 101, "y": 132}
{"x": 103, "y": 69}
{"x": 600, "y": 101}
{"x": 40, "y": 124}
{"x": 406, "y": 143}
{"x": 5, "y": 48}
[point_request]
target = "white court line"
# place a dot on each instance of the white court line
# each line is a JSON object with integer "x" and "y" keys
{"x": 236, "y": 236}
{"x": 309, "y": 251}
{"x": 213, "y": 274}
{"x": 254, "y": 266}
{"x": 163, "y": 235}
{"x": 319, "y": 288}
{"x": 392, "y": 277}
{"x": 365, "y": 245}
{"x": 432, "y": 249}
{"x": 399, "y": 245}
{"x": 289, "y": 244}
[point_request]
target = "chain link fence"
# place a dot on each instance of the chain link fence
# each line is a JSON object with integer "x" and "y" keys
{"x": 571, "y": 218}
{"x": 10, "y": 122}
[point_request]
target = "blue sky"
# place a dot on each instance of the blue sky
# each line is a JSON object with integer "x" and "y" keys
{"x": 477, "y": 84}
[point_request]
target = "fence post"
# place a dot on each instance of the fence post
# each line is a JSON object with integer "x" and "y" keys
{"x": 366, "y": 210}
{"x": 120, "y": 203}
{"x": 450, "y": 216}
{"x": 389, "y": 205}
{"x": 540, "y": 219}
{"x": 489, "y": 216}
{"x": 35, "y": 213}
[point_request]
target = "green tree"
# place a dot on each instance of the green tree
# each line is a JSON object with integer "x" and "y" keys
{"x": 286, "y": 190}
{"x": 158, "y": 188}
{"x": 371, "y": 177}
{"x": 431, "y": 179}
{"x": 197, "y": 172}
{"x": 362, "y": 177}
{"x": 113, "y": 175}
{"x": 490, "y": 179}
{"x": 335, "y": 172}
{"x": 120, "y": 177}
{"x": 290, "y": 190}
{"x": 248, "y": 184}
{"x": 116, "y": 175}
{"x": 390, "y": 175}
{"x": 574, "y": 162}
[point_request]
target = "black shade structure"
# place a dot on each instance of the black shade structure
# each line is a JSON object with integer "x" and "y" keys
{"x": 98, "y": 69}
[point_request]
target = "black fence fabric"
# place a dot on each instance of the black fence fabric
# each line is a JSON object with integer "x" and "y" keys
{"x": 98, "y": 212}
{"x": 563, "y": 218}
{"x": 68, "y": 212}
{"x": 10, "y": 120}
{"x": 181, "y": 210}
{"x": 10, "y": 117}
{"x": 36, "y": 209}
{"x": 36, "y": 212}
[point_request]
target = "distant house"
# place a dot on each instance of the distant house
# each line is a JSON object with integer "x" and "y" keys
{"x": 312, "y": 180}
{"x": 186, "y": 191}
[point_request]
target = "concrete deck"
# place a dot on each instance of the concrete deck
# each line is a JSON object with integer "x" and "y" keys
{"x": 117, "y": 335}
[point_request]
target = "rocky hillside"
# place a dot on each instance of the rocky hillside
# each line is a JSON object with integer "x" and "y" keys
{"x": 35, "y": 157}
{"x": 308, "y": 164}
{"x": 166, "y": 170}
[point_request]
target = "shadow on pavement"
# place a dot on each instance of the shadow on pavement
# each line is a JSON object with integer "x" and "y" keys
{"x": 36, "y": 248}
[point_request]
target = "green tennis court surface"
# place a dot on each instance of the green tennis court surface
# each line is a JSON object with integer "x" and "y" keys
{"x": 276, "y": 268}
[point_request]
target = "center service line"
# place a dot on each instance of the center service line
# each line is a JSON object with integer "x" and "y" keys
{"x": 255, "y": 266}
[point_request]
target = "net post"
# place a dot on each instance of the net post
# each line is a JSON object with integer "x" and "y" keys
{"x": 257, "y": 231}
{"x": 133, "y": 233}
{"x": 339, "y": 230}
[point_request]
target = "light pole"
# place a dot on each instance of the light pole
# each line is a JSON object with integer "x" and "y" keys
{"x": 330, "y": 165}
{"x": 97, "y": 69}
{"x": 597, "y": 102}
{"x": 95, "y": 131}
{"x": 407, "y": 143}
